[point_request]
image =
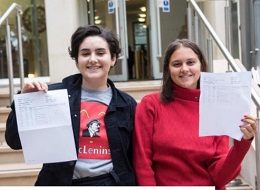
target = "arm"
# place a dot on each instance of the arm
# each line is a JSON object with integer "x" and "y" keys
{"x": 224, "y": 167}
{"x": 227, "y": 166}
{"x": 143, "y": 143}
{"x": 132, "y": 115}
{"x": 11, "y": 133}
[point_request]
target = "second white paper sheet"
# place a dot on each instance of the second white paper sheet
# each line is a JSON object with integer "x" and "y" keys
{"x": 44, "y": 126}
{"x": 224, "y": 100}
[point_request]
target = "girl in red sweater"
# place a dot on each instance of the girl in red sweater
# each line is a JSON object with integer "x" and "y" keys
{"x": 167, "y": 148}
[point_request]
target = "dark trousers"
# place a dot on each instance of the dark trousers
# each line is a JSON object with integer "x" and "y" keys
{"x": 110, "y": 179}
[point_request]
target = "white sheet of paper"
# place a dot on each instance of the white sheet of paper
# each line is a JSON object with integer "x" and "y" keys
{"x": 225, "y": 98}
{"x": 44, "y": 126}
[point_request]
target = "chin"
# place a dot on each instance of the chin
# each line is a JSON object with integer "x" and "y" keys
{"x": 188, "y": 86}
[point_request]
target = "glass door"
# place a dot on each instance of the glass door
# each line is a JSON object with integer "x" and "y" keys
{"x": 111, "y": 14}
{"x": 168, "y": 23}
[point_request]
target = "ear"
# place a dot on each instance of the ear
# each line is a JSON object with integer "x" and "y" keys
{"x": 77, "y": 65}
{"x": 113, "y": 61}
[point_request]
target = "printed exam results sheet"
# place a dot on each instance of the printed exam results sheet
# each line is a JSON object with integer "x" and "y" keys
{"x": 44, "y": 126}
{"x": 225, "y": 98}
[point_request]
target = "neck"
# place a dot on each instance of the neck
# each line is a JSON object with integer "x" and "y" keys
{"x": 97, "y": 85}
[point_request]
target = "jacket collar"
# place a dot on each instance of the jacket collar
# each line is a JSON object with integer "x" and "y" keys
{"x": 73, "y": 83}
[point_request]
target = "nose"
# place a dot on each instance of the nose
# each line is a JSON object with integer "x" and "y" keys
{"x": 92, "y": 58}
{"x": 184, "y": 67}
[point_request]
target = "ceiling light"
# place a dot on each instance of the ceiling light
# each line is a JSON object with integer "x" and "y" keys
{"x": 98, "y": 21}
{"x": 141, "y": 19}
{"x": 30, "y": 75}
{"x": 142, "y": 15}
{"x": 143, "y": 9}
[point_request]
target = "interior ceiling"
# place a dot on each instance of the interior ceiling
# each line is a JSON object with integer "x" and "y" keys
{"x": 135, "y": 2}
{"x": 133, "y": 7}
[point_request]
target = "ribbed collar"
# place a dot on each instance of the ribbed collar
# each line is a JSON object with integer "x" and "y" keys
{"x": 186, "y": 94}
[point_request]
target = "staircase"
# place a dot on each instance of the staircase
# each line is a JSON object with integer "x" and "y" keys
{"x": 13, "y": 170}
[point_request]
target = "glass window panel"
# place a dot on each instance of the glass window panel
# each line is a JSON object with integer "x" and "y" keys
{"x": 34, "y": 39}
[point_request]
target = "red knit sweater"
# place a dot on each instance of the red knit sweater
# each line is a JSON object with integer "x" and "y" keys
{"x": 169, "y": 152}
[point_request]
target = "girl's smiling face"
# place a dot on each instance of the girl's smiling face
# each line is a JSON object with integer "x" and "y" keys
{"x": 185, "y": 68}
{"x": 95, "y": 61}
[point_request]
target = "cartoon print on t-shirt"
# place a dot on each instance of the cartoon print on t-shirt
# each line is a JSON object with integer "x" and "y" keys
{"x": 93, "y": 127}
{"x": 93, "y": 142}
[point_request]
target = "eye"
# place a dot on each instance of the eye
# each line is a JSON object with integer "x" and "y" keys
{"x": 100, "y": 53}
{"x": 85, "y": 53}
{"x": 176, "y": 64}
{"x": 191, "y": 62}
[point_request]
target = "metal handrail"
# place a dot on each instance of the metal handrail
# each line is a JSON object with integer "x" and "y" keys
{"x": 9, "y": 10}
{"x": 5, "y": 16}
{"x": 255, "y": 91}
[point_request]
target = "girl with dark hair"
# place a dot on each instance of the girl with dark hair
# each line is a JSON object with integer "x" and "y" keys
{"x": 105, "y": 160}
{"x": 168, "y": 150}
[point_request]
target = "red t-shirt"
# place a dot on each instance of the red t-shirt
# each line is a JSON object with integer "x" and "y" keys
{"x": 93, "y": 142}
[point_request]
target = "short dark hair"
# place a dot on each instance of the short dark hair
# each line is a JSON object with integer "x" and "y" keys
{"x": 93, "y": 30}
{"x": 167, "y": 93}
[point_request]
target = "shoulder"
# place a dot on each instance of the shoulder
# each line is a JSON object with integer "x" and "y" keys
{"x": 55, "y": 86}
{"x": 124, "y": 94}
{"x": 68, "y": 82}
{"x": 150, "y": 101}
{"x": 151, "y": 97}
{"x": 121, "y": 95}
{"x": 149, "y": 105}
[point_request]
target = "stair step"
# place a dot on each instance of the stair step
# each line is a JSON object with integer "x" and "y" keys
{"x": 2, "y": 133}
{"x": 241, "y": 187}
{"x": 5, "y": 99}
{"x": 9, "y": 156}
{"x": 137, "y": 89}
{"x": 4, "y": 111}
{"x": 18, "y": 174}
{"x": 238, "y": 184}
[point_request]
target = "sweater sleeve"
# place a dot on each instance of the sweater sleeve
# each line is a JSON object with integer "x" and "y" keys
{"x": 143, "y": 142}
{"x": 225, "y": 167}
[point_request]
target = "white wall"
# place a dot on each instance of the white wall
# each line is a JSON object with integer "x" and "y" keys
{"x": 215, "y": 13}
{"x": 62, "y": 20}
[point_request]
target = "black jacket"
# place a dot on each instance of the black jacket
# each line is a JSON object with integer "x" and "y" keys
{"x": 119, "y": 122}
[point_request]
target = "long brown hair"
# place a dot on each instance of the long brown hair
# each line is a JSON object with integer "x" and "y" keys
{"x": 167, "y": 93}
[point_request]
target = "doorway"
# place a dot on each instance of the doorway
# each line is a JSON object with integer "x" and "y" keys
{"x": 138, "y": 40}
{"x": 128, "y": 19}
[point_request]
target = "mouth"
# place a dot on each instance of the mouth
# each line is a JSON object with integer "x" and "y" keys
{"x": 185, "y": 76}
{"x": 93, "y": 67}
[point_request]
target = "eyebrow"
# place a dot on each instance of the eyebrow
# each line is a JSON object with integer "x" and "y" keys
{"x": 98, "y": 49}
{"x": 189, "y": 59}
